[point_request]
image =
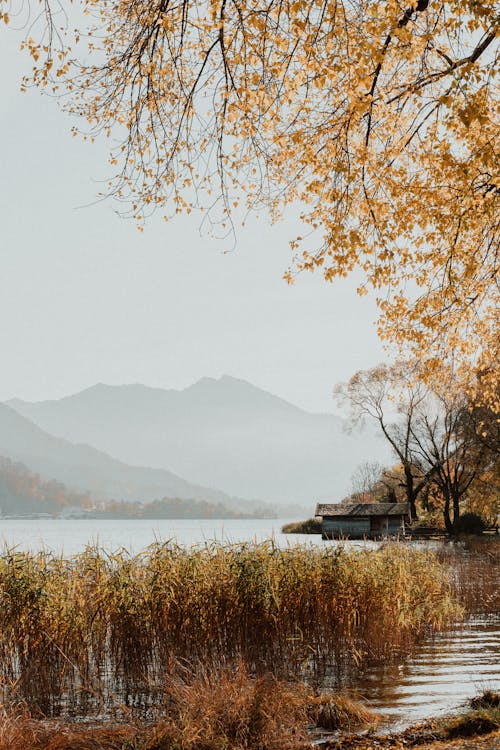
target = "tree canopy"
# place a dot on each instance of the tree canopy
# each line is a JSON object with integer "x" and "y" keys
{"x": 447, "y": 447}
{"x": 381, "y": 119}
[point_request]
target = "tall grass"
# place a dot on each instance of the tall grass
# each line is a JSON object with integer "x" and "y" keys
{"x": 99, "y": 630}
{"x": 474, "y": 565}
{"x": 227, "y": 710}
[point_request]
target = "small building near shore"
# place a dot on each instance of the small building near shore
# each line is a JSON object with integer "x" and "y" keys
{"x": 363, "y": 520}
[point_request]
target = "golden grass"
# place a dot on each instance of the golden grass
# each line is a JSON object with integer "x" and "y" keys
{"x": 227, "y": 710}
{"x": 310, "y": 526}
{"x": 332, "y": 711}
{"x": 98, "y": 631}
{"x": 474, "y": 565}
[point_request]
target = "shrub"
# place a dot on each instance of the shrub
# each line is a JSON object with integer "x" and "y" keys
{"x": 311, "y": 526}
{"x": 487, "y": 699}
{"x": 469, "y": 523}
{"x": 333, "y": 711}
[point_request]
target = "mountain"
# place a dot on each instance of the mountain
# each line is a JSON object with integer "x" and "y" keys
{"x": 85, "y": 469}
{"x": 222, "y": 433}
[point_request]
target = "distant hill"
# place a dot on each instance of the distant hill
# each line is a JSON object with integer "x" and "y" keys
{"x": 223, "y": 433}
{"x": 22, "y": 491}
{"x": 85, "y": 469}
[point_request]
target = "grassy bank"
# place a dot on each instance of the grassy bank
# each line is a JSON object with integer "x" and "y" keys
{"x": 98, "y": 631}
{"x": 476, "y": 725}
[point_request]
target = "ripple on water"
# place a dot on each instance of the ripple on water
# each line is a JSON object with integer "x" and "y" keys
{"x": 446, "y": 670}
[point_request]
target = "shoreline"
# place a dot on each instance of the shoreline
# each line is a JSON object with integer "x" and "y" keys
{"x": 488, "y": 741}
{"x": 477, "y": 726}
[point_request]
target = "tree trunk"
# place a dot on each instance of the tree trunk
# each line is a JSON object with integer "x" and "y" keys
{"x": 446, "y": 513}
{"x": 413, "y": 509}
{"x": 456, "y": 508}
{"x": 410, "y": 492}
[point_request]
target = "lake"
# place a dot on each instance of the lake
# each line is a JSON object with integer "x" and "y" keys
{"x": 445, "y": 670}
{"x": 71, "y": 536}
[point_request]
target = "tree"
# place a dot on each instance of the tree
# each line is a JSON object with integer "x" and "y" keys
{"x": 392, "y": 397}
{"x": 483, "y": 497}
{"x": 481, "y": 426}
{"x": 380, "y": 118}
{"x": 448, "y": 447}
{"x": 444, "y": 445}
{"x": 462, "y": 441}
{"x": 365, "y": 483}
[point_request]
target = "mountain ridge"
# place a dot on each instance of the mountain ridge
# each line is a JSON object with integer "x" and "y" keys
{"x": 84, "y": 468}
{"x": 101, "y": 387}
{"x": 225, "y": 433}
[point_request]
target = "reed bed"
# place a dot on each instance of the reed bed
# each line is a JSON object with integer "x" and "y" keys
{"x": 99, "y": 631}
{"x": 474, "y": 565}
{"x": 227, "y": 710}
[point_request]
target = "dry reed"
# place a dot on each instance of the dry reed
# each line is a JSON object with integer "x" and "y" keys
{"x": 332, "y": 711}
{"x": 474, "y": 565}
{"x": 98, "y": 631}
{"x": 223, "y": 710}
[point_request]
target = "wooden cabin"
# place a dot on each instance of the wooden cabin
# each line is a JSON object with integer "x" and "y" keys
{"x": 363, "y": 520}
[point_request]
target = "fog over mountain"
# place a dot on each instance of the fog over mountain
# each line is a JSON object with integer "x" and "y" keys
{"x": 84, "y": 468}
{"x": 223, "y": 433}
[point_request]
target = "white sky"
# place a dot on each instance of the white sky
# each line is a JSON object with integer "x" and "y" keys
{"x": 86, "y": 298}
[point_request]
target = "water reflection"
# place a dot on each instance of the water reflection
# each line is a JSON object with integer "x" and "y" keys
{"x": 446, "y": 670}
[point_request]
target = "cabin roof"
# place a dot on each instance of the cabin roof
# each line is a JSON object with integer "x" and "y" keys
{"x": 362, "y": 509}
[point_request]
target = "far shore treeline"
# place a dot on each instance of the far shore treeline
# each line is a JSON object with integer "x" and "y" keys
{"x": 25, "y": 494}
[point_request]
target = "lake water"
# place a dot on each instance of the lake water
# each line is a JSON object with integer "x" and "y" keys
{"x": 444, "y": 672}
{"x": 71, "y": 536}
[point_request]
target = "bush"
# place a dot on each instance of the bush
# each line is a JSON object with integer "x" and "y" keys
{"x": 469, "y": 523}
{"x": 311, "y": 526}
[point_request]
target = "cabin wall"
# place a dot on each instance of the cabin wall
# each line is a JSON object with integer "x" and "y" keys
{"x": 358, "y": 528}
{"x": 354, "y": 528}
{"x": 396, "y": 525}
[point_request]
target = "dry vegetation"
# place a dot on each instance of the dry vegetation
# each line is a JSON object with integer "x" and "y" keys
{"x": 227, "y": 710}
{"x": 232, "y": 711}
{"x": 96, "y": 632}
{"x": 474, "y": 564}
{"x": 310, "y": 526}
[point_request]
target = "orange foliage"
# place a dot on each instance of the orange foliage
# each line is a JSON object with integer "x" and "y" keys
{"x": 380, "y": 118}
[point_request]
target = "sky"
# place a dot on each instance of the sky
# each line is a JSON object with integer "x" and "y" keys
{"x": 86, "y": 298}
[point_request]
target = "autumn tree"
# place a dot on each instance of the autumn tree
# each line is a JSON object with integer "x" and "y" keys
{"x": 445, "y": 447}
{"x": 381, "y": 119}
{"x": 392, "y": 483}
{"x": 483, "y": 497}
{"x": 392, "y": 397}
{"x": 481, "y": 427}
